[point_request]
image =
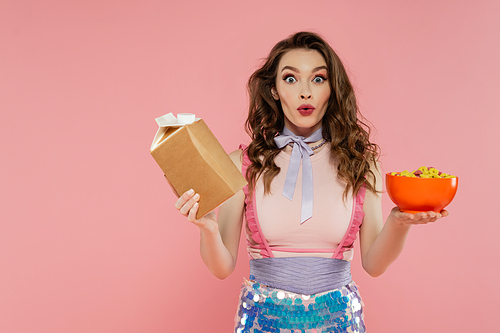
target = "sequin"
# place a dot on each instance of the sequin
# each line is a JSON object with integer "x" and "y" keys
{"x": 265, "y": 309}
{"x": 356, "y": 305}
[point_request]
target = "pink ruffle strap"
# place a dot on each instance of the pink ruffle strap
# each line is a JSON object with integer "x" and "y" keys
{"x": 354, "y": 225}
{"x": 250, "y": 213}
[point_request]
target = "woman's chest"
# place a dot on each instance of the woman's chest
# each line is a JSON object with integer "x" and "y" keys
{"x": 279, "y": 217}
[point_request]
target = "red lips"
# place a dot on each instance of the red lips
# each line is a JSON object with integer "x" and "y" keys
{"x": 306, "y": 109}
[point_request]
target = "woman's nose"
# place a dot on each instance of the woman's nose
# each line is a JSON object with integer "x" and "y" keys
{"x": 305, "y": 92}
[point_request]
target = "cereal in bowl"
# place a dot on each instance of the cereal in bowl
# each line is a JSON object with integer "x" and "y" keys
{"x": 423, "y": 172}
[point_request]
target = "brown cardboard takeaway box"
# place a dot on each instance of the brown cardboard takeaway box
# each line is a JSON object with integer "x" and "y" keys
{"x": 191, "y": 157}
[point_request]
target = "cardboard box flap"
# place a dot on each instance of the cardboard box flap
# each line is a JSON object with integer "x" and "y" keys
{"x": 166, "y": 120}
{"x": 170, "y": 121}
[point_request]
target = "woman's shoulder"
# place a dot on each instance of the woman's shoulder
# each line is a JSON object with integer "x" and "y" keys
{"x": 237, "y": 158}
{"x": 375, "y": 177}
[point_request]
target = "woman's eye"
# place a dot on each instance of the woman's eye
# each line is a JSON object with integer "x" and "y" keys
{"x": 290, "y": 79}
{"x": 319, "y": 79}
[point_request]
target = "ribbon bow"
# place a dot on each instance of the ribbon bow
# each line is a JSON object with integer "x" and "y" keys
{"x": 300, "y": 152}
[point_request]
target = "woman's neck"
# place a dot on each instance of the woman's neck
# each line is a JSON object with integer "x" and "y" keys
{"x": 320, "y": 144}
{"x": 302, "y": 131}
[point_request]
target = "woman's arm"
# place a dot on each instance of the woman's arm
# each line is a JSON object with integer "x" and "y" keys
{"x": 219, "y": 236}
{"x": 382, "y": 243}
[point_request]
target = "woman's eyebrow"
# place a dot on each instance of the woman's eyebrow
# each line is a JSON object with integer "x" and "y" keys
{"x": 298, "y": 71}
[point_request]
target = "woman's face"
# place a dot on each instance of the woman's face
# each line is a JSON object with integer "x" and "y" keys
{"x": 303, "y": 90}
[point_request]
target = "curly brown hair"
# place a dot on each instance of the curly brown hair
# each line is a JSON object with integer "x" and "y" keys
{"x": 342, "y": 124}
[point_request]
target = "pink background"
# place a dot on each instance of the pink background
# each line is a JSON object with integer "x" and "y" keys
{"x": 89, "y": 239}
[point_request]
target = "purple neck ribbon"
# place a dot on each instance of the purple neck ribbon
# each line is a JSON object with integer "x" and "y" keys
{"x": 300, "y": 152}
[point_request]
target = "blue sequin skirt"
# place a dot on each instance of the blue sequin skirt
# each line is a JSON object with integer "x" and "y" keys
{"x": 265, "y": 309}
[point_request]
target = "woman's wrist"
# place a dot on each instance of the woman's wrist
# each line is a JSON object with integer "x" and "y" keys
{"x": 209, "y": 229}
{"x": 397, "y": 220}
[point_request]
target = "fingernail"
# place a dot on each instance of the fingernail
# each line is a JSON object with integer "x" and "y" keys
{"x": 196, "y": 196}
{"x": 190, "y": 192}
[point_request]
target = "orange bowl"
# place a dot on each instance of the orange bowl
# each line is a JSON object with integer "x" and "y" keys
{"x": 414, "y": 195}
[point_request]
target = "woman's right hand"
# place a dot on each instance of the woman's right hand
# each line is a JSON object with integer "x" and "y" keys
{"x": 188, "y": 205}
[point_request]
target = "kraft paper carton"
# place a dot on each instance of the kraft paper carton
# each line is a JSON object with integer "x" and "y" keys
{"x": 191, "y": 157}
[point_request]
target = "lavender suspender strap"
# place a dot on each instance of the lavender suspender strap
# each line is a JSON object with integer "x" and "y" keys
{"x": 302, "y": 275}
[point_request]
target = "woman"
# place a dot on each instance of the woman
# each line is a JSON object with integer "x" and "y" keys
{"x": 314, "y": 181}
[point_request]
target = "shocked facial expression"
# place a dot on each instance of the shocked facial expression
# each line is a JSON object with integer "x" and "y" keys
{"x": 303, "y": 89}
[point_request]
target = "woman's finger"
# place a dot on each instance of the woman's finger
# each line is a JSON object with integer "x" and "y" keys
{"x": 183, "y": 199}
{"x": 193, "y": 211}
{"x": 189, "y": 204}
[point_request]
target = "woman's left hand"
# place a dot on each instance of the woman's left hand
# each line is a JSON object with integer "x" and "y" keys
{"x": 419, "y": 218}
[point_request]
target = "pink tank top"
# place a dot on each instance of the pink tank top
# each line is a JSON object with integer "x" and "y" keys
{"x": 273, "y": 226}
